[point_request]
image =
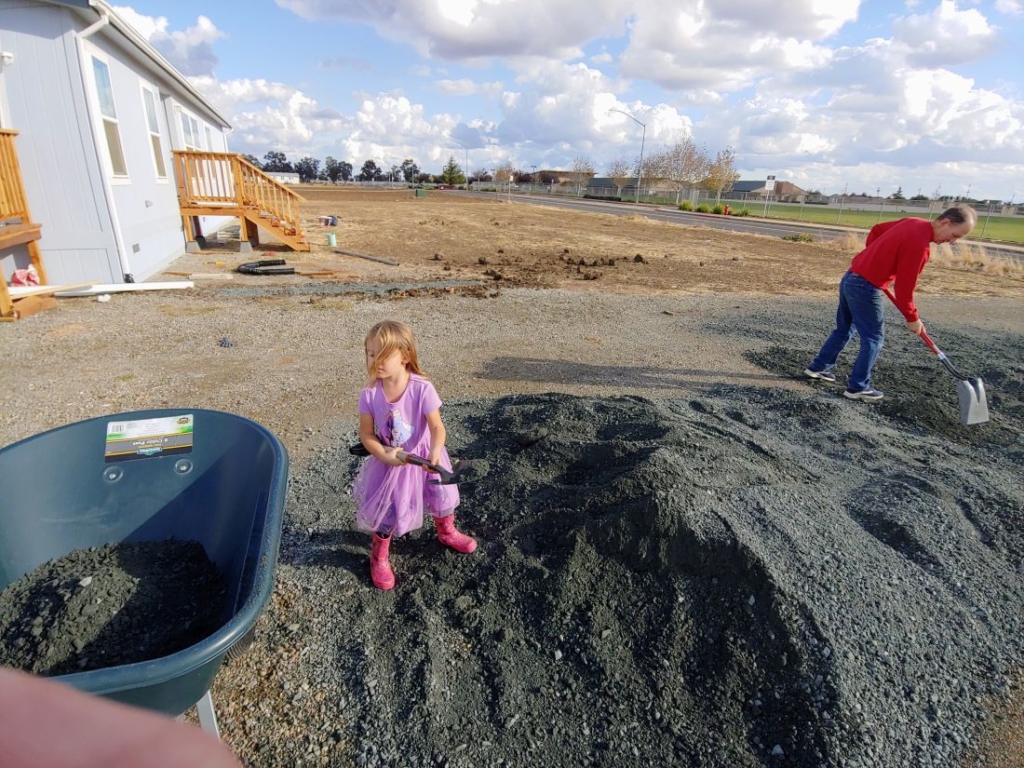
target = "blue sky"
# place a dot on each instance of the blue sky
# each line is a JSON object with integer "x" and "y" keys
{"x": 829, "y": 94}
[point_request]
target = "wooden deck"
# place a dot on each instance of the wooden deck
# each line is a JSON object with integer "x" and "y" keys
{"x": 17, "y": 228}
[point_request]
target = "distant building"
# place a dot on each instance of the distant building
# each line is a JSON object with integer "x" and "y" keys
{"x": 283, "y": 178}
{"x": 784, "y": 191}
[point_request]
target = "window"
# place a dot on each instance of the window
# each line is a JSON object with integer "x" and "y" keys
{"x": 108, "y": 113}
{"x": 209, "y": 138}
{"x": 149, "y": 102}
{"x": 190, "y": 131}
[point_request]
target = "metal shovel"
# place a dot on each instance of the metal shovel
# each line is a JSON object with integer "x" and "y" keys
{"x": 971, "y": 392}
{"x": 973, "y": 406}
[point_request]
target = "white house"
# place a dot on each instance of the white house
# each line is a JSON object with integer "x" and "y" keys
{"x": 98, "y": 113}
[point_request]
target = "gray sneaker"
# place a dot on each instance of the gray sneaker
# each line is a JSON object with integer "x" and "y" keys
{"x": 825, "y": 375}
{"x": 864, "y": 394}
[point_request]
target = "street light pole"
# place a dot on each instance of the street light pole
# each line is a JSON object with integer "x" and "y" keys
{"x": 643, "y": 139}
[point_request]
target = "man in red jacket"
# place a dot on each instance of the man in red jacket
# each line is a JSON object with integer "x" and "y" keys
{"x": 895, "y": 250}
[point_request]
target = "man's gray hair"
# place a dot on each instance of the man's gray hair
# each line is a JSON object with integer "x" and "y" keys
{"x": 958, "y": 214}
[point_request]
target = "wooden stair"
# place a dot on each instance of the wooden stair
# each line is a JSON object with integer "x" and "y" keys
{"x": 224, "y": 184}
{"x": 17, "y": 228}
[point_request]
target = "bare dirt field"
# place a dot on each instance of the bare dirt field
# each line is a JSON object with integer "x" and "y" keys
{"x": 706, "y": 561}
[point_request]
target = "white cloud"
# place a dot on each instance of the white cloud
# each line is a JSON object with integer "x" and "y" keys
{"x": 945, "y": 37}
{"x": 728, "y": 46}
{"x": 1010, "y": 7}
{"x": 467, "y": 29}
{"x": 191, "y": 51}
{"x": 467, "y": 87}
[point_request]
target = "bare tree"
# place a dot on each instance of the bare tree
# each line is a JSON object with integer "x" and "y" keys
{"x": 581, "y": 170}
{"x": 504, "y": 173}
{"x": 722, "y": 173}
{"x": 620, "y": 170}
{"x": 683, "y": 165}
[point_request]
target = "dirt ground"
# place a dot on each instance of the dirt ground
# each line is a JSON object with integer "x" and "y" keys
{"x": 699, "y": 565}
{"x": 446, "y": 236}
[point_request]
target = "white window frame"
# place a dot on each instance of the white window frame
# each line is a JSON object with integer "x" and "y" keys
{"x": 189, "y": 125}
{"x": 157, "y": 148}
{"x": 209, "y": 137}
{"x": 96, "y": 56}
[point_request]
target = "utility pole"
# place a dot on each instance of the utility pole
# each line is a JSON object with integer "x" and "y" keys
{"x": 643, "y": 139}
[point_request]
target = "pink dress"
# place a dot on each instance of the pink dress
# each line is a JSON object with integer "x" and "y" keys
{"x": 393, "y": 498}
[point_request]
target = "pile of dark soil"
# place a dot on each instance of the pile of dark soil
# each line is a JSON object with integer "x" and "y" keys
{"x": 754, "y": 577}
{"x": 111, "y": 605}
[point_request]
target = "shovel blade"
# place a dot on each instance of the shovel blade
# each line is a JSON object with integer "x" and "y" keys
{"x": 973, "y": 405}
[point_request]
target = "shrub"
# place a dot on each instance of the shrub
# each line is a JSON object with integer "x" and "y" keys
{"x": 741, "y": 212}
{"x": 719, "y": 209}
{"x": 802, "y": 237}
{"x": 686, "y": 205}
{"x": 702, "y": 208}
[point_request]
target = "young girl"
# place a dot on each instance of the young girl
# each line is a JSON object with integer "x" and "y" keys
{"x": 399, "y": 414}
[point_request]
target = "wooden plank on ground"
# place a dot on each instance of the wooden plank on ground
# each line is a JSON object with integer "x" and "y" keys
{"x": 23, "y": 291}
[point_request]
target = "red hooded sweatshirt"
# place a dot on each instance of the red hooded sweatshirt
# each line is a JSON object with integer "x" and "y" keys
{"x": 896, "y": 250}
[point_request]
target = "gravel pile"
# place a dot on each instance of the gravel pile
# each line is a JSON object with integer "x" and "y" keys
{"x": 704, "y": 560}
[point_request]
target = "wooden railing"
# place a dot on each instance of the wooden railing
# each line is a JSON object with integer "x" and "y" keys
{"x": 222, "y": 180}
{"x": 13, "y": 204}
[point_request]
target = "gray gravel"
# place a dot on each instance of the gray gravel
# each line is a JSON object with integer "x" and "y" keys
{"x": 705, "y": 561}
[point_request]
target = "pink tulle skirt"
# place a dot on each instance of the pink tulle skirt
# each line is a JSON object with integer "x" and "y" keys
{"x": 394, "y": 497}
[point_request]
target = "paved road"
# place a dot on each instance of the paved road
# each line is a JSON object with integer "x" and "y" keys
{"x": 729, "y": 223}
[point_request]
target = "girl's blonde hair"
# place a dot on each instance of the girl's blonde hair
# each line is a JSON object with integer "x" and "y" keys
{"x": 393, "y": 336}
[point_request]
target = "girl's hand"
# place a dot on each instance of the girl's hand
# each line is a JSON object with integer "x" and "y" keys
{"x": 394, "y": 457}
{"x": 434, "y": 457}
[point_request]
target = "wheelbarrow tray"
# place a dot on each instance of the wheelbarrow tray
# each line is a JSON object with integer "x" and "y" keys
{"x": 222, "y": 485}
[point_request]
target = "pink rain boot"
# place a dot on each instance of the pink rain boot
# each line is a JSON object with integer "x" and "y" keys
{"x": 450, "y": 537}
{"x": 380, "y": 569}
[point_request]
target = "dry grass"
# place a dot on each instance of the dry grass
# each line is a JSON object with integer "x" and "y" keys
{"x": 973, "y": 257}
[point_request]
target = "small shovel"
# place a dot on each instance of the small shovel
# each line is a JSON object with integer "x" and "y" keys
{"x": 973, "y": 405}
{"x": 460, "y": 471}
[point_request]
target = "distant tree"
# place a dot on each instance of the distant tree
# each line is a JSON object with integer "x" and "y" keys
{"x": 919, "y": 198}
{"x": 480, "y": 174}
{"x": 581, "y": 170}
{"x": 308, "y": 168}
{"x": 684, "y": 165}
{"x": 721, "y": 173}
{"x": 897, "y": 195}
{"x": 452, "y": 172}
{"x": 332, "y": 170}
{"x": 505, "y": 173}
{"x": 345, "y": 170}
{"x": 409, "y": 170}
{"x": 277, "y": 162}
{"x": 620, "y": 170}
{"x": 423, "y": 178}
{"x": 370, "y": 172}
{"x": 252, "y": 160}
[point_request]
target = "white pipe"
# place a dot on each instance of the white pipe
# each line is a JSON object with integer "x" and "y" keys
{"x": 108, "y": 189}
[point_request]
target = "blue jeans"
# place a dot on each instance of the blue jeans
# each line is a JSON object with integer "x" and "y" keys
{"x": 861, "y": 308}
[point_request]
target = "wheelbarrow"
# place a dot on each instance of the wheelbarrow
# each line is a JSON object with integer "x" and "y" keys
{"x": 190, "y": 474}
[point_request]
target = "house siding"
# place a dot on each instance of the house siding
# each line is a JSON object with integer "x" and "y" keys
{"x": 64, "y": 170}
{"x": 59, "y": 165}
